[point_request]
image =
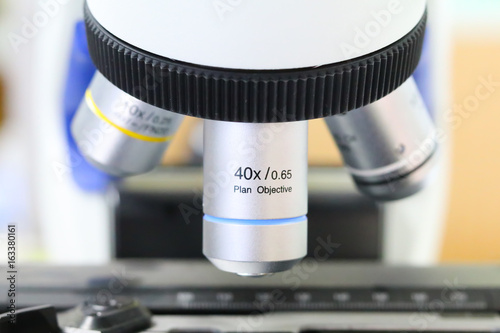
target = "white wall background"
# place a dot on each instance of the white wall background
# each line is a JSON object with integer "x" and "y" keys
{"x": 69, "y": 226}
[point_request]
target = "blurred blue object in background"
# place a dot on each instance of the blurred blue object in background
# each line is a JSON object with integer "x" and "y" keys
{"x": 423, "y": 75}
{"x": 80, "y": 73}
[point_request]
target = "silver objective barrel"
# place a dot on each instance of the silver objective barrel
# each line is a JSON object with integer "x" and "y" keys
{"x": 255, "y": 196}
{"x": 119, "y": 134}
{"x": 388, "y": 146}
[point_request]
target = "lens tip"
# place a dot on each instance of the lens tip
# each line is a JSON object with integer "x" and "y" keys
{"x": 253, "y": 269}
{"x": 254, "y": 275}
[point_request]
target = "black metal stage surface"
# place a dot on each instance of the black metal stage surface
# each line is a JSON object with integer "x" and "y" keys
{"x": 196, "y": 287}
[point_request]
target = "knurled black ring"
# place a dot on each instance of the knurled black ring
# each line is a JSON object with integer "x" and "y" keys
{"x": 253, "y": 96}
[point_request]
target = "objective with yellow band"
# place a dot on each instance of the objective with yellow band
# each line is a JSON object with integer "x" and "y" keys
{"x": 119, "y": 133}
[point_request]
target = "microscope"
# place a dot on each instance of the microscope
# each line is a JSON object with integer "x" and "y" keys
{"x": 256, "y": 72}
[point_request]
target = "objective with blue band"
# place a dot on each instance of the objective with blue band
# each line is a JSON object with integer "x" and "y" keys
{"x": 252, "y": 233}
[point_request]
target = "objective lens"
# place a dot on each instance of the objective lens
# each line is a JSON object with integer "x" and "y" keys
{"x": 388, "y": 146}
{"x": 255, "y": 196}
{"x": 119, "y": 134}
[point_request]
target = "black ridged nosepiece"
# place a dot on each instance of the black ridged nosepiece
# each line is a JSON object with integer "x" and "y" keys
{"x": 254, "y": 96}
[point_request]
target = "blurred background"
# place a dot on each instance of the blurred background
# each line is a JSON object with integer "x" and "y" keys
{"x": 68, "y": 214}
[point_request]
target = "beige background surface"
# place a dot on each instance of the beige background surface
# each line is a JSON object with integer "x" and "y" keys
{"x": 473, "y": 223}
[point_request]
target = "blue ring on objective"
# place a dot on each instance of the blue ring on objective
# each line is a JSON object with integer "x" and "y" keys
{"x": 255, "y": 222}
